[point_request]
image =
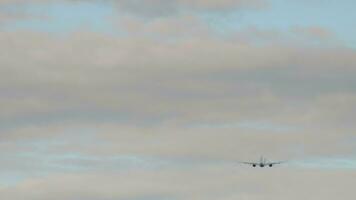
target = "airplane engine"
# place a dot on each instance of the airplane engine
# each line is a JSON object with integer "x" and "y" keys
{"x": 270, "y": 165}
{"x": 253, "y": 165}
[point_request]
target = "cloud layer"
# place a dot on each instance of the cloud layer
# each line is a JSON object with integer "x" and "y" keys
{"x": 164, "y": 108}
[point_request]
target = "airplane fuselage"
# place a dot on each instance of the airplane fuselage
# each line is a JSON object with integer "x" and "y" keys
{"x": 262, "y": 163}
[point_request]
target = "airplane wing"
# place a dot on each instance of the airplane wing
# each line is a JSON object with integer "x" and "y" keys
{"x": 249, "y": 163}
{"x": 274, "y": 163}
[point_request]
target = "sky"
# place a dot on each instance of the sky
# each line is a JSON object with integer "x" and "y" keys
{"x": 161, "y": 99}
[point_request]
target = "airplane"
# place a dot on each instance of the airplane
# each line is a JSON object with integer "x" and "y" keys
{"x": 262, "y": 163}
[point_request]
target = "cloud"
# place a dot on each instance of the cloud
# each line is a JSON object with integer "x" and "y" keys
{"x": 225, "y": 182}
{"x": 9, "y": 15}
{"x": 164, "y": 108}
{"x": 191, "y": 77}
{"x": 159, "y": 8}
{"x": 314, "y": 32}
{"x": 166, "y": 8}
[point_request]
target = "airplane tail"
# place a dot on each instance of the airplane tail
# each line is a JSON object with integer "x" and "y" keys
{"x": 263, "y": 160}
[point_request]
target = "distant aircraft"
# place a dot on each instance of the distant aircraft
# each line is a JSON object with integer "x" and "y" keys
{"x": 262, "y": 163}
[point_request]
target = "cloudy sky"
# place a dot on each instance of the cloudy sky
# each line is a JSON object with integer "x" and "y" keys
{"x": 159, "y": 99}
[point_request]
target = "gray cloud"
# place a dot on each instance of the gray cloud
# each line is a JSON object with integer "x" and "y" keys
{"x": 208, "y": 183}
{"x": 49, "y": 74}
{"x": 159, "y": 8}
{"x": 315, "y": 32}
{"x": 80, "y": 100}
{"x": 166, "y": 8}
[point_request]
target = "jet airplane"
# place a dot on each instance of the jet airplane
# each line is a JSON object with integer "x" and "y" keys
{"x": 262, "y": 163}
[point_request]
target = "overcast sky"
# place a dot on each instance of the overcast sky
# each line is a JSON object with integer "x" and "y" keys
{"x": 160, "y": 99}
